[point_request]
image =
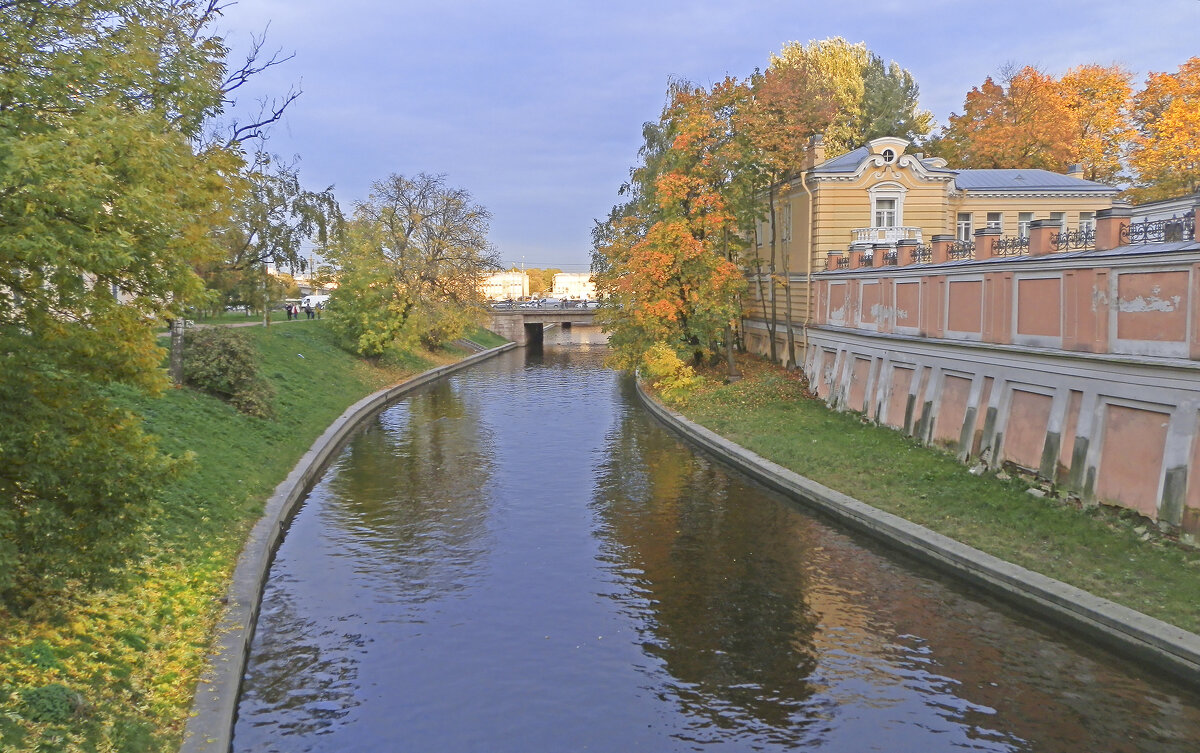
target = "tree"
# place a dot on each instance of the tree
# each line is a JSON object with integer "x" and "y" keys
{"x": 1166, "y": 152}
{"x": 871, "y": 98}
{"x": 661, "y": 260}
{"x": 787, "y": 106}
{"x": 1099, "y": 100}
{"x": 411, "y": 261}
{"x": 274, "y": 218}
{"x": 1024, "y": 122}
{"x": 107, "y": 193}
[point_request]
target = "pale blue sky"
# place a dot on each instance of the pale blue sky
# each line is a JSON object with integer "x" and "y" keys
{"x": 536, "y": 107}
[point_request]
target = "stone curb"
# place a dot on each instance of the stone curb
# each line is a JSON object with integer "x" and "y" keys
{"x": 1170, "y": 649}
{"x": 210, "y": 724}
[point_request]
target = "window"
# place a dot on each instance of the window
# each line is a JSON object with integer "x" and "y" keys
{"x": 1023, "y": 220}
{"x": 1087, "y": 221}
{"x": 760, "y": 232}
{"x": 963, "y": 232}
{"x": 785, "y": 222}
{"x": 888, "y": 156}
{"x": 995, "y": 220}
{"x": 1060, "y": 218}
{"x": 885, "y": 212}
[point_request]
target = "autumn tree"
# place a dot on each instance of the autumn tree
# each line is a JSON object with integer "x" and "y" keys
{"x": 1166, "y": 151}
{"x": 274, "y": 219}
{"x": 1024, "y": 121}
{"x": 786, "y": 106}
{"x": 662, "y": 259}
{"x": 108, "y": 188}
{"x": 871, "y": 98}
{"x": 411, "y": 260}
{"x": 1099, "y": 100}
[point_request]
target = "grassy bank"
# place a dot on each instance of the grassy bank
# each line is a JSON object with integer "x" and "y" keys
{"x": 1109, "y": 553}
{"x": 115, "y": 670}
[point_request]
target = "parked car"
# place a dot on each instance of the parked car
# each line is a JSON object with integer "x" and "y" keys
{"x": 548, "y": 303}
{"x": 502, "y": 305}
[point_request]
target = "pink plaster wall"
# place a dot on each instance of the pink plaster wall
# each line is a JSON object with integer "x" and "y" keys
{"x": 1152, "y": 306}
{"x": 1132, "y": 457}
{"x": 902, "y": 378}
{"x": 908, "y": 304}
{"x": 964, "y": 306}
{"x": 1039, "y": 307}
{"x": 952, "y": 410}
{"x": 838, "y": 303}
{"x": 1070, "y": 427}
{"x": 870, "y": 298}
{"x": 824, "y": 385}
{"x": 859, "y": 374}
{"x": 1025, "y": 435}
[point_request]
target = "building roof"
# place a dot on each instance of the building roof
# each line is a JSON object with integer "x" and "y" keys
{"x": 845, "y": 163}
{"x": 1025, "y": 180}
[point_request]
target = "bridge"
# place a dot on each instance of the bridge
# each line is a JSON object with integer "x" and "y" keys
{"x": 524, "y": 325}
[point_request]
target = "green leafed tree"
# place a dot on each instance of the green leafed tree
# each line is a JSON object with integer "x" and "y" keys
{"x": 411, "y": 261}
{"x": 108, "y": 189}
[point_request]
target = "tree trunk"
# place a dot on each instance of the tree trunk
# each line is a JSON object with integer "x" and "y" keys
{"x": 773, "y": 321}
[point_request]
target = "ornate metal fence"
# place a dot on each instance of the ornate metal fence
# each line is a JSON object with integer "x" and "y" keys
{"x": 1074, "y": 240}
{"x": 1011, "y": 246}
{"x": 922, "y": 254}
{"x": 1171, "y": 230}
{"x": 962, "y": 250}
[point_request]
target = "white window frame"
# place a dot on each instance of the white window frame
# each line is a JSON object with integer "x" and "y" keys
{"x": 1062, "y": 220}
{"x": 890, "y": 190}
{"x": 963, "y": 228}
{"x": 997, "y": 223}
{"x": 1087, "y": 221}
{"x": 785, "y": 222}
{"x": 1023, "y": 221}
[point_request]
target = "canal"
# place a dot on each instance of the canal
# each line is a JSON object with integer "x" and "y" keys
{"x": 520, "y": 559}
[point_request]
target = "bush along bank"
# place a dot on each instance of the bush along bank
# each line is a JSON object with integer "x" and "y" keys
{"x": 1101, "y": 550}
{"x": 115, "y": 669}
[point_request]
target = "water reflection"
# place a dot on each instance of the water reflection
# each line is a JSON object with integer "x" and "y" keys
{"x": 520, "y": 560}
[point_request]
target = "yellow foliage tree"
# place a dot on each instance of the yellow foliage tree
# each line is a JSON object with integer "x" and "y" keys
{"x": 1166, "y": 152}
{"x": 1099, "y": 99}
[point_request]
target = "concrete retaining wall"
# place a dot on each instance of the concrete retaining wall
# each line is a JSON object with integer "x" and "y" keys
{"x": 1155, "y": 643}
{"x": 210, "y": 726}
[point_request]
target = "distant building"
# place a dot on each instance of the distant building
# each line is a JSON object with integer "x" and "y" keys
{"x": 503, "y": 286}
{"x": 1166, "y": 209}
{"x": 574, "y": 286}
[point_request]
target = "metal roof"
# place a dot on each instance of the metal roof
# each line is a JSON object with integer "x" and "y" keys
{"x": 1025, "y": 180}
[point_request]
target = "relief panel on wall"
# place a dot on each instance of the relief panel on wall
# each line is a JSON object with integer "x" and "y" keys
{"x": 871, "y": 302}
{"x": 952, "y": 410}
{"x": 1152, "y": 307}
{"x": 908, "y": 305}
{"x": 897, "y": 404}
{"x": 964, "y": 307}
{"x": 838, "y": 303}
{"x": 1131, "y": 459}
{"x": 1025, "y": 430}
{"x": 1039, "y": 307}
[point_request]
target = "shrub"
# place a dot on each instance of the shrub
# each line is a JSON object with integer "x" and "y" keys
{"x": 50, "y": 704}
{"x": 668, "y": 374}
{"x": 222, "y": 362}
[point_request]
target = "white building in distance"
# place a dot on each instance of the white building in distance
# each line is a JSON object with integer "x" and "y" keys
{"x": 503, "y": 286}
{"x": 574, "y": 286}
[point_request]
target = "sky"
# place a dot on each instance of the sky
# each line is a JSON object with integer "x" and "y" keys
{"x": 536, "y": 107}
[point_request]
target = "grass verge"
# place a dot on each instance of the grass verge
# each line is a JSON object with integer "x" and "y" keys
{"x": 1106, "y": 551}
{"x": 115, "y": 670}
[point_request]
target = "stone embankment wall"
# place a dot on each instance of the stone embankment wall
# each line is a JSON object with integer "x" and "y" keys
{"x": 1083, "y": 367}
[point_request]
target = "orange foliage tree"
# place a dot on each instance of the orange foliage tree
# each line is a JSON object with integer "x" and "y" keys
{"x": 1166, "y": 152}
{"x": 662, "y": 260}
{"x": 1098, "y": 98}
{"x": 1024, "y": 122}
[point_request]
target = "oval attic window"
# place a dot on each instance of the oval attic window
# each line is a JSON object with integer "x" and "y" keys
{"x": 888, "y": 155}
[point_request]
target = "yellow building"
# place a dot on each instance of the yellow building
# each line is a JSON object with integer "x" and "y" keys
{"x": 880, "y": 200}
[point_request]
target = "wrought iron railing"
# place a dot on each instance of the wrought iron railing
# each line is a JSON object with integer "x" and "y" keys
{"x": 922, "y": 254}
{"x": 866, "y": 260}
{"x": 1074, "y": 240}
{"x": 962, "y": 250}
{"x": 891, "y": 258}
{"x": 1170, "y": 230}
{"x": 1011, "y": 246}
{"x": 841, "y": 262}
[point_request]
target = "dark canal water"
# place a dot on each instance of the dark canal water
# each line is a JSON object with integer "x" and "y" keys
{"x": 520, "y": 559}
